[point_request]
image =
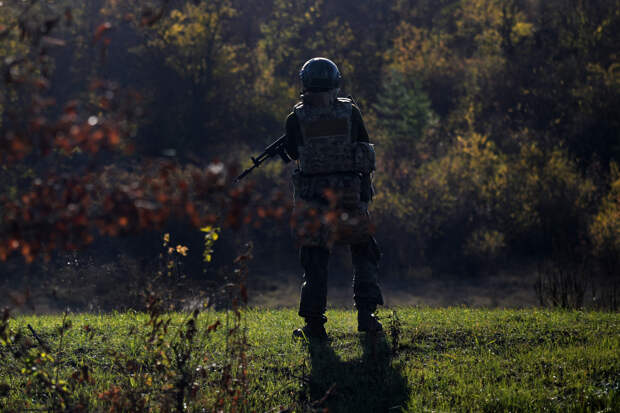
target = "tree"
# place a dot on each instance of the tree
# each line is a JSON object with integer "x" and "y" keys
{"x": 403, "y": 111}
{"x": 67, "y": 169}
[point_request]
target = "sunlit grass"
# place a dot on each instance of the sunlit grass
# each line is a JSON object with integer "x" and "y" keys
{"x": 455, "y": 359}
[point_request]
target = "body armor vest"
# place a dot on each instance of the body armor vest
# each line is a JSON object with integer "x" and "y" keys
{"x": 327, "y": 146}
{"x": 330, "y": 165}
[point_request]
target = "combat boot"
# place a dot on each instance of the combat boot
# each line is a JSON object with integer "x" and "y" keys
{"x": 313, "y": 329}
{"x": 367, "y": 322}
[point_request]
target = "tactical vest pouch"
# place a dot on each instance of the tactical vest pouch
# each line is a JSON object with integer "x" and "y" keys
{"x": 364, "y": 155}
{"x": 321, "y": 155}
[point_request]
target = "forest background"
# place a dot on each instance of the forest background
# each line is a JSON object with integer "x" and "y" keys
{"x": 496, "y": 125}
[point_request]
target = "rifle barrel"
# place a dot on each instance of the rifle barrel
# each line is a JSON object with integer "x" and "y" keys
{"x": 269, "y": 152}
{"x": 244, "y": 174}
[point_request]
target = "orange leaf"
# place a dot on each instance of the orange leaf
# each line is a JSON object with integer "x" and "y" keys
{"x": 214, "y": 326}
{"x": 98, "y": 135}
{"x": 101, "y": 30}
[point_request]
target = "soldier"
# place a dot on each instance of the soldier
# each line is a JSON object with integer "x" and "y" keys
{"x": 326, "y": 135}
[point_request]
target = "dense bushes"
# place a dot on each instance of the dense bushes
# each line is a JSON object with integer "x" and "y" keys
{"x": 480, "y": 201}
{"x": 495, "y": 121}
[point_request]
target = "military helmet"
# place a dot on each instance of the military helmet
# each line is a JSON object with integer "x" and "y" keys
{"x": 320, "y": 73}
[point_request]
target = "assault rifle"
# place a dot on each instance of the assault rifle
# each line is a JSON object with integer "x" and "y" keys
{"x": 276, "y": 148}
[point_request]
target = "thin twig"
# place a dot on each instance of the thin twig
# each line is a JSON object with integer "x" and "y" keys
{"x": 62, "y": 336}
{"x": 323, "y": 399}
{"x": 39, "y": 339}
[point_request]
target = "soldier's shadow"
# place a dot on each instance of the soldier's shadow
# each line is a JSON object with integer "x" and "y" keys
{"x": 370, "y": 383}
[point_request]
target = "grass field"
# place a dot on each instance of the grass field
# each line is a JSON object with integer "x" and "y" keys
{"x": 455, "y": 359}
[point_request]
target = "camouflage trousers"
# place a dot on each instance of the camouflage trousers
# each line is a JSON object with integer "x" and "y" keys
{"x": 366, "y": 291}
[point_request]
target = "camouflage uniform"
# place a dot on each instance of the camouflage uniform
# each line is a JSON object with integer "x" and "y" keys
{"x": 354, "y": 190}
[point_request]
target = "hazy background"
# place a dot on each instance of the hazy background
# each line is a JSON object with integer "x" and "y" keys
{"x": 495, "y": 123}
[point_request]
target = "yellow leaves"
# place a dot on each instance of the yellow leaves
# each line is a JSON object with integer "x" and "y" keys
{"x": 605, "y": 227}
{"x": 193, "y": 37}
{"x": 46, "y": 357}
{"x": 211, "y": 236}
{"x": 610, "y": 76}
{"x": 485, "y": 242}
{"x": 479, "y": 20}
{"x": 179, "y": 249}
{"x": 176, "y": 30}
{"x": 614, "y": 169}
{"x": 421, "y": 51}
{"x": 177, "y": 14}
{"x": 483, "y": 22}
{"x": 186, "y": 36}
{"x": 477, "y": 146}
{"x": 522, "y": 29}
{"x": 182, "y": 250}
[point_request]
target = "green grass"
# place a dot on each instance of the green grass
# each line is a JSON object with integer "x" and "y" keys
{"x": 455, "y": 359}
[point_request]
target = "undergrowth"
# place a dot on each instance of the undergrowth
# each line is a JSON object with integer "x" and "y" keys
{"x": 455, "y": 359}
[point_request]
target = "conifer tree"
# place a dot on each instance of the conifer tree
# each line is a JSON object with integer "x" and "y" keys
{"x": 403, "y": 112}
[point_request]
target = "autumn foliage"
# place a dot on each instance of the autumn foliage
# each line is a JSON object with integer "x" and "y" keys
{"x": 495, "y": 121}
